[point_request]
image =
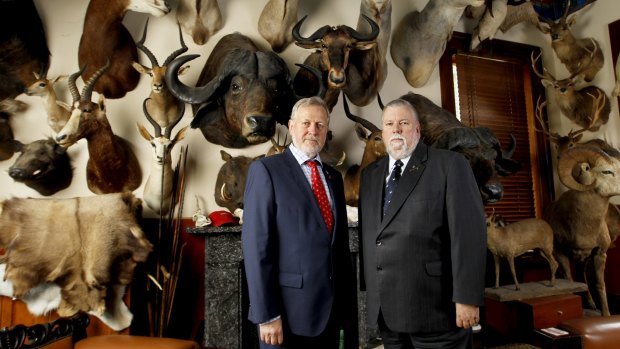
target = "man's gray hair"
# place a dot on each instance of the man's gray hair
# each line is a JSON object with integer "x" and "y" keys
{"x": 399, "y": 102}
{"x": 314, "y": 100}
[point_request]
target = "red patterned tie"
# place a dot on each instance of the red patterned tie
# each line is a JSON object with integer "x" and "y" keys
{"x": 321, "y": 196}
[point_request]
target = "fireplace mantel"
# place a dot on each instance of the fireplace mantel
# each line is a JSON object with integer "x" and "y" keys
{"x": 226, "y": 304}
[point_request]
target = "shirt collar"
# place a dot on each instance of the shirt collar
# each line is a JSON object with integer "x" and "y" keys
{"x": 301, "y": 157}
{"x": 392, "y": 161}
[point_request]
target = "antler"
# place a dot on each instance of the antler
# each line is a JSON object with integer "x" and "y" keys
{"x": 554, "y": 137}
{"x": 546, "y": 76}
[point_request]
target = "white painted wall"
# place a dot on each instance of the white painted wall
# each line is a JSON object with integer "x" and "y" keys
{"x": 63, "y": 20}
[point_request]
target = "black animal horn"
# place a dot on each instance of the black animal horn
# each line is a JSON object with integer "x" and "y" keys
{"x": 156, "y": 126}
{"x": 358, "y": 36}
{"x": 319, "y": 76}
{"x": 176, "y": 121}
{"x": 176, "y": 53}
{"x": 316, "y": 35}
{"x": 367, "y": 124}
{"x": 87, "y": 91}
{"x": 147, "y": 52}
{"x": 75, "y": 94}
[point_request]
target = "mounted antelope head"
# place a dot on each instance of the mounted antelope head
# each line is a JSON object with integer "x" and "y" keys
{"x": 164, "y": 106}
{"x": 374, "y": 149}
{"x": 577, "y": 105}
{"x": 578, "y": 55}
{"x": 276, "y": 22}
{"x": 112, "y": 166}
{"x": 58, "y": 112}
{"x": 200, "y": 19}
{"x": 158, "y": 188}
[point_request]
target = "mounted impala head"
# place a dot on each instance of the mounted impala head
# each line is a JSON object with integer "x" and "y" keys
{"x": 164, "y": 106}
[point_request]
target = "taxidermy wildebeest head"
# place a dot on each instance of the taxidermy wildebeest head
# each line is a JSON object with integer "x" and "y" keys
{"x": 241, "y": 92}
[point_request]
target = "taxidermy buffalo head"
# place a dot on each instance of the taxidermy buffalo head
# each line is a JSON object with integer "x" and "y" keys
{"x": 241, "y": 92}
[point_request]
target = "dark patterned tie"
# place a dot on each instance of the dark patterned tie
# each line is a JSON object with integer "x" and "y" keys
{"x": 391, "y": 184}
{"x": 321, "y": 197}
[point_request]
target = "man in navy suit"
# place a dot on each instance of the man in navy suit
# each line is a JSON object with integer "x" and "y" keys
{"x": 423, "y": 237}
{"x": 295, "y": 246}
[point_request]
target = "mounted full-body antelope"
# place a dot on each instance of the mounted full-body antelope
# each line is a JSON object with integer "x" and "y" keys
{"x": 112, "y": 166}
{"x": 164, "y": 106}
{"x": 158, "y": 188}
{"x": 58, "y": 112}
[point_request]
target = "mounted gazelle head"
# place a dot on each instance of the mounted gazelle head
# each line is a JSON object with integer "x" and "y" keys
{"x": 157, "y": 72}
{"x": 162, "y": 144}
{"x": 43, "y": 86}
{"x": 87, "y": 117}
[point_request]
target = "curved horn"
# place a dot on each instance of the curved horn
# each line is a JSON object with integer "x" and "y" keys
{"x": 367, "y": 124}
{"x": 75, "y": 94}
{"x": 380, "y": 102}
{"x": 176, "y": 53}
{"x": 319, "y": 76}
{"x": 150, "y": 119}
{"x": 312, "y": 38}
{"x": 147, "y": 52}
{"x": 360, "y": 37}
{"x": 87, "y": 91}
{"x": 572, "y": 158}
{"x": 176, "y": 121}
{"x": 223, "y": 195}
{"x": 507, "y": 154}
{"x": 187, "y": 94}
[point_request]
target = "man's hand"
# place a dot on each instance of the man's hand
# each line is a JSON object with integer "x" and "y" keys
{"x": 271, "y": 332}
{"x": 467, "y": 315}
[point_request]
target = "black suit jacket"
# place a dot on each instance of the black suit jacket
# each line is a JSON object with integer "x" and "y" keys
{"x": 294, "y": 267}
{"x": 429, "y": 251}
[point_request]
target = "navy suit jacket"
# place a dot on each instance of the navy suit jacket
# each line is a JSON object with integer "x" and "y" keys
{"x": 429, "y": 251}
{"x": 294, "y": 267}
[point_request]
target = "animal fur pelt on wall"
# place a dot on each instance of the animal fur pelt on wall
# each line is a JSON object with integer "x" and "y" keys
{"x": 86, "y": 248}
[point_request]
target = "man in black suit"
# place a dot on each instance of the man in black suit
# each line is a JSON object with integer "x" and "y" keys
{"x": 423, "y": 242}
{"x": 295, "y": 242}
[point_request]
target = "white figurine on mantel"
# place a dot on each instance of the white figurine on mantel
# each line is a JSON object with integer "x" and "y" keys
{"x": 239, "y": 213}
{"x": 198, "y": 217}
{"x": 352, "y": 214}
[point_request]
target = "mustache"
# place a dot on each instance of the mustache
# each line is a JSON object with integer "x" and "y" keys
{"x": 311, "y": 138}
{"x": 397, "y": 136}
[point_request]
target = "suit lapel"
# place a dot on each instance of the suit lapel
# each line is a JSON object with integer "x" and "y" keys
{"x": 376, "y": 175}
{"x": 408, "y": 181}
{"x": 302, "y": 182}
